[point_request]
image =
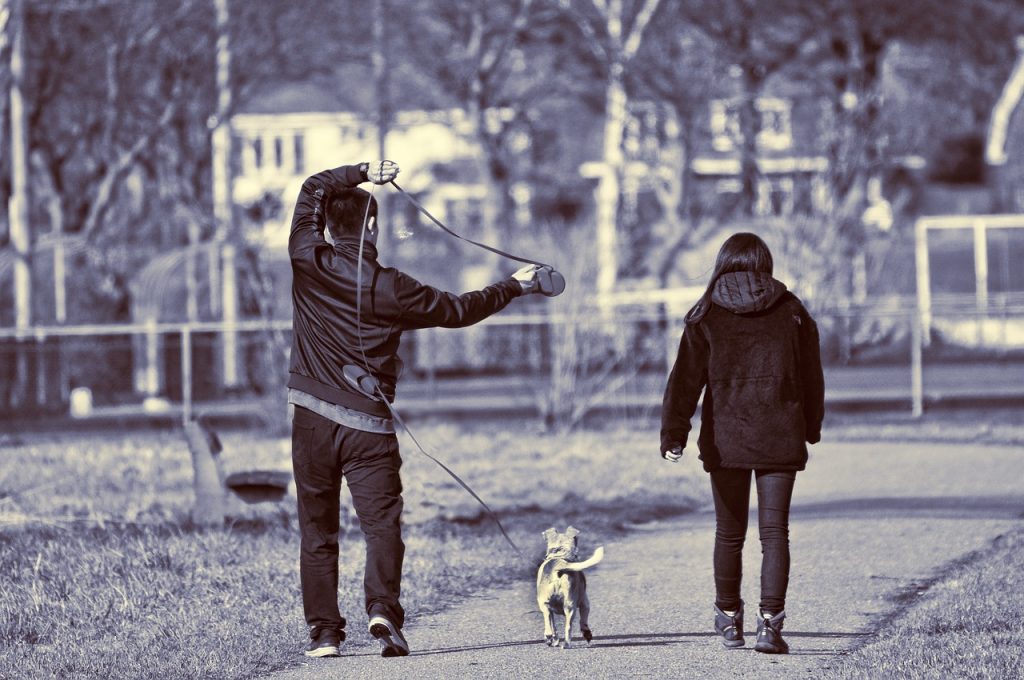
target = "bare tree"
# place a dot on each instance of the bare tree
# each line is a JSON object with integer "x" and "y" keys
{"x": 473, "y": 54}
{"x": 854, "y": 41}
{"x": 681, "y": 66}
{"x": 613, "y": 32}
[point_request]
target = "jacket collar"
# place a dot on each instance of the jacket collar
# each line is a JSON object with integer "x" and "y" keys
{"x": 349, "y": 245}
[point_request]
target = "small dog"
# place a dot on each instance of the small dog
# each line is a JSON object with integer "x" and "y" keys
{"x": 562, "y": 586}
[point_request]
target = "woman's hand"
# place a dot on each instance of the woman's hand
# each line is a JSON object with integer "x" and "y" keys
{"x": 673, "y": 455}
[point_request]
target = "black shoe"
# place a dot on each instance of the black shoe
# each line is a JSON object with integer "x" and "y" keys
{"x": 769, "y": 634}
{"x": 325, "y": 642}
{"x": 730, "y": 627}
{"x": 392, "y": 642}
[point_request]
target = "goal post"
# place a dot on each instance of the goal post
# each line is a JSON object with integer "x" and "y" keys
{"x": 967, "y": 280}
{"x": 979, "y": 227}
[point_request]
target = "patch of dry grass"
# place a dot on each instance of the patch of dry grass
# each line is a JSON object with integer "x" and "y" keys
{"x": 102, "y": 575}
{"x": 966, "y": 626}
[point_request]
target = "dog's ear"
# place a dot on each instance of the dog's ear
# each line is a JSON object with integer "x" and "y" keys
{"x": 572, "y": 532}
{"x": 549, "y": 534}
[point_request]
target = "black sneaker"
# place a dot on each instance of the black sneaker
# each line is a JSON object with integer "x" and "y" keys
{"x": 392, "y": 642}
{"x": 730, "y": 627}
{"x": 769, "y": 634}
{"x": 325, "y": 642}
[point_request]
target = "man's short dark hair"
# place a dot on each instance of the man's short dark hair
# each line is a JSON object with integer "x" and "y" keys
{"x": 346, "y": 211}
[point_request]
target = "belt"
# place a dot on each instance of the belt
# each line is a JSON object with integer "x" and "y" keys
{"x": 357, "y": 420}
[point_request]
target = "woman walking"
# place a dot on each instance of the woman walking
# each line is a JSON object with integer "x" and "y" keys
{"x": 752, "y": 347}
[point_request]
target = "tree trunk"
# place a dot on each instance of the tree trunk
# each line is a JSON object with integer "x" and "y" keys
{"x": 608, "y": 188}
{"x": 207, "y": 475}
{"x": 855, "y": 156}
{"x": 18, "y": 206}
{"x": 491, "y": 204}
{"x": 382, "y": 96}
{"x": 750, "y": 127}
{"x": 222, "y": 293}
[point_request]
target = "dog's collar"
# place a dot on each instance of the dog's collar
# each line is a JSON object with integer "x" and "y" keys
{"x": 557, "y": 556}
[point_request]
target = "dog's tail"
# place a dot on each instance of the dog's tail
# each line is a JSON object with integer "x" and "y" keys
{"x": 585, "y": 564}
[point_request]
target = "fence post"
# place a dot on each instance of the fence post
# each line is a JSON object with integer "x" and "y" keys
{"x": 923, "y": 279}
{"x": 431, "y": 354}
{"x": 916, "y": 364}
{"x": 672, "y": 340}
{"x": 186, "y": 374}
{"x": 41, "y": 366}
{"x": 154, "y": 381}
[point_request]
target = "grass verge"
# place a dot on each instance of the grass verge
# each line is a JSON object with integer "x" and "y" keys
{"x": 967, "y": 625}
{"x": 103, "y": 575}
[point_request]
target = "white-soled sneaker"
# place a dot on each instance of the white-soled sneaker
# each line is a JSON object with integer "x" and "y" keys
{"x": 392, "y": 642}
{"x": 326, "y": 643}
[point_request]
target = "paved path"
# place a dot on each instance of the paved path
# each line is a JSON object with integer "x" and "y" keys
{"x": 870, "y": 522}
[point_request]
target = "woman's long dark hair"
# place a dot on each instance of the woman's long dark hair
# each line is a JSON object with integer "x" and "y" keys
{"x": 742, "y": 252}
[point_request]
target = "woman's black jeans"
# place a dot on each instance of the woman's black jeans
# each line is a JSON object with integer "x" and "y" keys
{"x": 731, "y": 491}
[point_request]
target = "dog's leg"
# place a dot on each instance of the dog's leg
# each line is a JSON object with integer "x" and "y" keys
{"x": 549, "y": 623}
{"x": 570, "y": 613}
{"x": 585, "y": 618}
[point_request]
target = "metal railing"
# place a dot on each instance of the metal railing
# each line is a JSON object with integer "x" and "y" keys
{"x": 617, "y": 356}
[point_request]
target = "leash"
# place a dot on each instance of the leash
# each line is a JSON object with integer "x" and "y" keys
{"x": 439, "y": 224}
{"x": 376, "y": 383}
{"x": 549, "y": 280}
{"x": 451, "y": 473}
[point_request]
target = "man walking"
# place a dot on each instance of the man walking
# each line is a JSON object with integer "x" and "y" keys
{"x": 344, "y": 364}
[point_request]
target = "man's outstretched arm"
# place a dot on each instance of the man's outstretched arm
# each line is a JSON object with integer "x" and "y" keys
{"x": 422, "y": 306}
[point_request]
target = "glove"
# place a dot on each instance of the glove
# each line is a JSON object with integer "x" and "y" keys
{"x": 380, "y": 172}
{"x": 527, "y": 278}
{"x": 673, "y": 455}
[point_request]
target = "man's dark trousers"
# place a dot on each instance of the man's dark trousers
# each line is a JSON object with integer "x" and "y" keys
{"x": 323, "y": 451}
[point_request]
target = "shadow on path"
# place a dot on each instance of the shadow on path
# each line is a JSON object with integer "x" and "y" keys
{"x": 949, "y": 507}
{"x": 638, "y": 640}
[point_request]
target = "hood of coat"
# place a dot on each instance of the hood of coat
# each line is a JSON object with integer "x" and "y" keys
{"x": 745, "y": 292}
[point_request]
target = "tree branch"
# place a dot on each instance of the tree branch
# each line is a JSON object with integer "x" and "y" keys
{"x": 124, "y": 161}
{"x": 492, "y": 57}
{"x": 636, "y": 32}
{"x": 590, "y": 36}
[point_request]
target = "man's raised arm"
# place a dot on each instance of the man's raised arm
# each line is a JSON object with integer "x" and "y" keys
{"x": 308, "y": 220}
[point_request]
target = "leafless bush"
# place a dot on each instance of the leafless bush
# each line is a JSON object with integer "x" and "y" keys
{"x": 591, "y": 356}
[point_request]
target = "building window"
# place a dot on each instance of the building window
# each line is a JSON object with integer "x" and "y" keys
{"x": 278, "y": 152}
{"x": 775, "y": 196}
{"x": 776, "y": 131}
{"x": 821, "y": 196}
{"x": 725, "y": 125}
{"x": 644, "y": 132}
{"x": 464, "y": 211}
{"x": 257, "y": 152}
{"x": 729, "y": 199}
{"x": 300, "y": 153}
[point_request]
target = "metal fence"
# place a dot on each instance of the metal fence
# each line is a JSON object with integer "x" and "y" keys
{"x": 560, "y": 366}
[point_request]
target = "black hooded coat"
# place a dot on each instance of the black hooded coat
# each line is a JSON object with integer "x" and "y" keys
{"x": 756, "y": 356}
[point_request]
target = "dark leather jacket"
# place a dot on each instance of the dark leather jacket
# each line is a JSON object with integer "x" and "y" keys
{"x": 325, "y": 334}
